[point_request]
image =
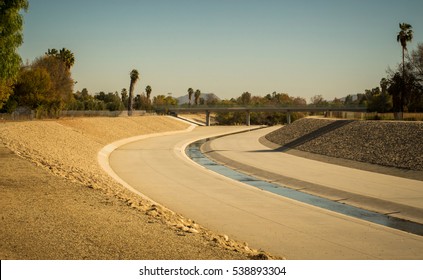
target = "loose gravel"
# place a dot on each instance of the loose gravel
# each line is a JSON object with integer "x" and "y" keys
{"x": 386, "y": 143}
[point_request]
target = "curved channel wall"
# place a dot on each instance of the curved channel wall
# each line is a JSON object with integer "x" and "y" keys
{"x": 193, "y": 151}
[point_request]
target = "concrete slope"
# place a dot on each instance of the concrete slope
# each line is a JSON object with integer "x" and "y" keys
{"x": 158, "y": 168}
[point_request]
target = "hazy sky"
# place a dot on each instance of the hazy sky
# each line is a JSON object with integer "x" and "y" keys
{"x": 303, "y": 48}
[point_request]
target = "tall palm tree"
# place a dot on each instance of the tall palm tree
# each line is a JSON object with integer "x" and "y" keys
{"x": 404, "y": 35}
{"x": 148, "y": 90}
{"x": 134, "y": 75}
{"x": 197, "y": 96}
{"x": 190, "y": 93}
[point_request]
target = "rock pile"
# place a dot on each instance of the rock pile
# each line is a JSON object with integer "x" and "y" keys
{"x": 387, "y": 143}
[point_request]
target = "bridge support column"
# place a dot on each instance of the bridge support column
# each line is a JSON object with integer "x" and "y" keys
{"x": 288, "y": 117}
{"x": 207, "y": 118}
{"x": 248, "y": 118}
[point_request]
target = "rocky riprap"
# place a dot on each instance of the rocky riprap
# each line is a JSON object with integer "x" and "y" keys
{"x": 386, "y": 143}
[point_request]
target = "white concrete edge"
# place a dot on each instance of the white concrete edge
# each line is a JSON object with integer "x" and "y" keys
{"x": 190, "y": 121}
{"x": 184, "y": 120}
{"x": 104, "y": 154}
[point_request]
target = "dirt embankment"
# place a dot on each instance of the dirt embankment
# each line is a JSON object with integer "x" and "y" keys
{"x": 73, "y": 216}
{"x": 385, "y": 143}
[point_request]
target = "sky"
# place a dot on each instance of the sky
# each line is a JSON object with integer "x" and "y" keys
{"x": 227, "y": 47}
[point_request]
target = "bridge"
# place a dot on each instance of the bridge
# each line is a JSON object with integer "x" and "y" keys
{"x": 249, "y": 109}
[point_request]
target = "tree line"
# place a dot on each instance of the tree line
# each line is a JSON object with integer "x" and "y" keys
{"x": 272, "y": 99}
{"x": 402, "y": 89}
{"x": 11, "y": 25}
{"x": 46, "y": 85}
{"x": 113, "y": 101}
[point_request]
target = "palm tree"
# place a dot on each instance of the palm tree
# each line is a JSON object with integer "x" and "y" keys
{"x": 64, "y": 55}
{"x": 405, "y": 35}
{"x": 190, "y": 93}
{"x": 148, "y": 90}
{"x": 134, "y": 78}
{"x": 67, "y": 57}
{"x": 124, "y": 95}
{"x": 197, "y": 96}
{"x": 384, "y": 83}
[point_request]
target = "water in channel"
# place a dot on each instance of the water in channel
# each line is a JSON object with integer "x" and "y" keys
{"x": 194, "y": 153}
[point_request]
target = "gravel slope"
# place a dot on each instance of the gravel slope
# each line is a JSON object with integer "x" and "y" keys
{"x": 385, "y": 143}
{"x": 82, "y": 213}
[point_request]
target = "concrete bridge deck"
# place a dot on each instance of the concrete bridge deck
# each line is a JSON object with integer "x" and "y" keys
{"x": 270, "y": 109}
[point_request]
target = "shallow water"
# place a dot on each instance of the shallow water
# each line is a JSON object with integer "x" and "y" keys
{"x": 193, "y": 151}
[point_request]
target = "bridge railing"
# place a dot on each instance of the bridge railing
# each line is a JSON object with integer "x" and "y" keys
{"x": 285, "y": 107}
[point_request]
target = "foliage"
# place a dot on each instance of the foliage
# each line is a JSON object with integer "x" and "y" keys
{"x": 244, "y": 99}
{"x": 414, "y": 80}
{"x": 134, "y": 76}
{"x": 100, "y": 101}
{"x": 405, "y": 34}
{"x": 211, "y": 100}
{"x": 282, "y": 99}
{"x": 146, "y": 105}
{"x": 190, "y": 93}
{"x": 406, "y": 92}
{"x": 162, "y": 100}
{"x": 44, "y": 86}
{"x": 396, "y": 93}
{"x": 148, "y": 91}
{"x": 319, "y": 101}
{"x": 257, "y": 118}
{"x": 197, "y": 94}
{"x": 62, "y": 82}
{"x": 34, "y": 88}
{"x": 230, "y": 118}
{"x": 402, "y": 90}
{"x": 125, "y": 98}
{"x": 416, "y": 62}
{"x": 11, "y": 37}
{"x": 141, "y": 102}
{"x": 111, "y": 100}
{"x": 378, "y": 101}
{"x": 6, "y": 89}
{"x": 65, "y": 55}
